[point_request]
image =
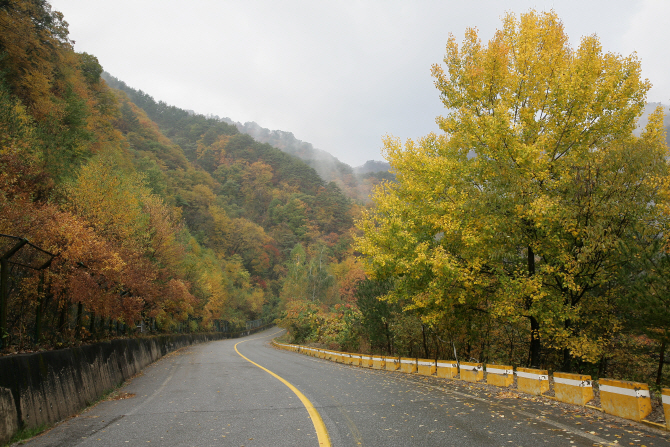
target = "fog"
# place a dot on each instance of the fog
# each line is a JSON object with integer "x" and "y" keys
{"x": 339, "y": 75}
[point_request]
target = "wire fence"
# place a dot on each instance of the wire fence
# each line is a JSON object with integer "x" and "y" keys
{"x": 45, "y": 322}
{"x": 17, "y": 254}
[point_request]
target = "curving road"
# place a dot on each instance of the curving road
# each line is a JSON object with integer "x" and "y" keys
{"x": 223, "y": 394}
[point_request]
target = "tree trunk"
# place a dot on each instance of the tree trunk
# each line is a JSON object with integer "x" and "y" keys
{"x": 4, "y": 298}
{"x": 40, "y": 308}
{"x": 91, "y": 326}
{"x": 567, "y": 357}
{"x": 535, "y": 346}
{"x": 567, "y": 361}
{"x": 388, "y": 338}
{"x": 62, "y": 320}
{"x": 659, "y": 375}
{"x": 80, "y": 311}
{"x": 425, "y": 345}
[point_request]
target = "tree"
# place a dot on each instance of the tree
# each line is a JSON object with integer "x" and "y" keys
{"x": 645, "y": 302}
{"x": 529, "y": 195}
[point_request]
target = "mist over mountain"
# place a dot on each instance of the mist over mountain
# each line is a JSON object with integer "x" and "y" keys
{"x": 372, "y": 166}
{"x": 327, "y": 165}
{"x": 644, "y": 119}
{"x": 356, "y": 182}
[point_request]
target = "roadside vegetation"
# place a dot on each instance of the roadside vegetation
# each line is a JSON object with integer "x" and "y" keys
{"x": 531, "y": 231}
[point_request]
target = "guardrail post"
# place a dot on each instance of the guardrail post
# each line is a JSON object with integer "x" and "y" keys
{"x": 366, "y": 361}
{"x": 378, "y": 362}
{"x": 408, "y": 365}
{"x": 392, "y": 363}
{"x": 573, "y": 388}
{"x": 426, "y": 367}
{"x": 4, "y": 295}
{"x": 665, "y": 398}
{"x": 532, "y": 381}
{"x": 499, "y": 375}
{"x": 629, "y": 400}
{"x": 472, "y": 372}
{"x": 446, "y": 370}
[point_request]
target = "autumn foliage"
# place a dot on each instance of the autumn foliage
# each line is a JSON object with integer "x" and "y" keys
{"x": 519, "y": 233}
{"x": 158, "y": 219}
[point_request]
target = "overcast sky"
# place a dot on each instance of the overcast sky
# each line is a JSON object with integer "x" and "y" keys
{"x": 338, "y": 74}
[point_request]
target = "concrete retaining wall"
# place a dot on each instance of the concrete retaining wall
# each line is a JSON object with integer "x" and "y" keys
{"x": 46, "y": 387}
{"x": 9, "y": 421}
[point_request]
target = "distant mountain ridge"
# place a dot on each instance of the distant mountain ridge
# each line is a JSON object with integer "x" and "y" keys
{"x": 356, "y": 182}
{"x": 648, "y": 109}
{"x": 288, "y": 143}
{"x": 372, "y": 166}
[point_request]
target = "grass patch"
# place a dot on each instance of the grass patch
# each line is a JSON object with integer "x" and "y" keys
{"x": 26, "y": 433}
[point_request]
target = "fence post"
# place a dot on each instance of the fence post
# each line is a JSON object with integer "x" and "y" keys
{"x": 4, "y": 292}
{"x": 41, "y": 303}
{"x": 4, "y": 287}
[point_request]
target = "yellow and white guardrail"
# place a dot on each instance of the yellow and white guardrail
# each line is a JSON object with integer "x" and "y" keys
{"x": 629, "y": 400}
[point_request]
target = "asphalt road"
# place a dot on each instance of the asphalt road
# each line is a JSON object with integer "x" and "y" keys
{"x": 209, "y": 395}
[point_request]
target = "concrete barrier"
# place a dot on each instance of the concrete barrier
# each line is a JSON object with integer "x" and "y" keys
{"x": 407, "y": 365}
{"x": 499, "y": 375}
{"x": 378, "y": 362}
{"x": 630, "y": 400}
{"x": 532, "y": 381}
{"x": 446, "y": 369}
{"x": 472, "y": 372}
{"x": 425, "y": 367}
{"x": 392, "y": 363}
{"x": 50, "y": 386}
{"x": 573, "y": 388}
{"x": 9, "y": 419}
{"x": 366, "y": 361}
{"x": 665, "y": 399}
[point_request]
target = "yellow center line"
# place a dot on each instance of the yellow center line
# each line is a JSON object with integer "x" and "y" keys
{"x": 319, "y": 426}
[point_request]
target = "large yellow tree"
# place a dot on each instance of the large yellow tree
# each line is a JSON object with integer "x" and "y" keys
{"x": 521, "y": 207}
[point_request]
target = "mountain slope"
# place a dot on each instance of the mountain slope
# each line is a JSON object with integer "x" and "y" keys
{"x": 159, "y": 217}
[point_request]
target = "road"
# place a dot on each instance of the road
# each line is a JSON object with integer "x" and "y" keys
{"x": 217, "y": 394}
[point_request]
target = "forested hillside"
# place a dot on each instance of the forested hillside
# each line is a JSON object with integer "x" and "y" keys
{"x": 356, "y": 183}
{"x": 156, "y": 216}
{"x": 533, "y": 230}
{"x": 172, "y": 120}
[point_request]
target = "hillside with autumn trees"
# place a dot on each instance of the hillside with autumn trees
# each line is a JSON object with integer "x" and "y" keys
{"x": 532, "y": 232}
{"x": 155, "y": 216}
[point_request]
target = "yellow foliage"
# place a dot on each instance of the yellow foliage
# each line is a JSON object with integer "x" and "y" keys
{"x": 532, "y": 189}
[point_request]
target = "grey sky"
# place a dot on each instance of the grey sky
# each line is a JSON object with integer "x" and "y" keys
{"x": 338, "y": 74}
